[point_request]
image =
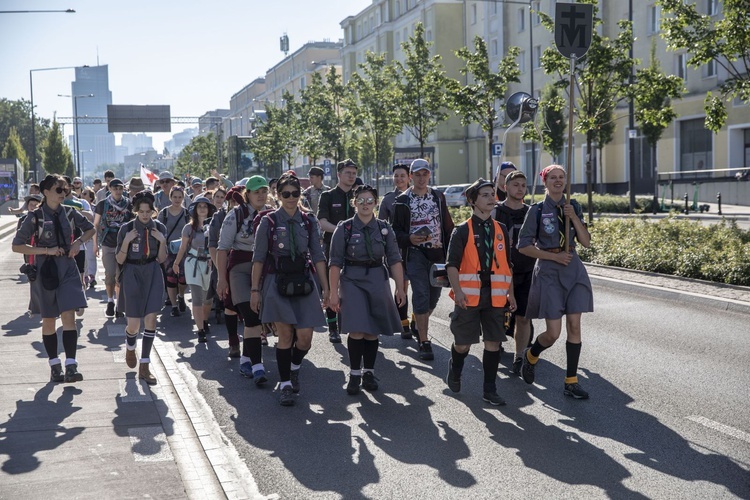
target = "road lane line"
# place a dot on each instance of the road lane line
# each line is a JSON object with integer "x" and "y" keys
{"x": 718, "y": 426}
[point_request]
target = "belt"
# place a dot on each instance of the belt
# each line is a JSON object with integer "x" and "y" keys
{"x": 141, "y": 261}
{"x": 556, "y": 250}
{"x": 368, "y": 263}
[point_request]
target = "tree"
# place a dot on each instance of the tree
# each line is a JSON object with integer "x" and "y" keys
{"x": 477, "y": 102}
{"x": 653, "y": 110}
{"x": 378, "y": 95}
{"x": 725, "y": 40}
{"x": 423, "y": 88}
{"x": 275, "y": 140}
{"x": 315, "y": 117}
{"x": 601, "y": 79}
{"x": 198, "y": 158}
{"x": 14, "y": 149}
{"x": 18, "y": 114}
{"x": 57, "y": 156}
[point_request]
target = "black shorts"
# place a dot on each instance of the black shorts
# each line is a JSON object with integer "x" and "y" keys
{"x": 521, "y": 288}
{"x": 466, "y": 323}
{"x": 81, "y": 260}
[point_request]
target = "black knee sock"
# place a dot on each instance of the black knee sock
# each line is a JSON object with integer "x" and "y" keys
{"x": 356, "y": 352}
{"x": 490, "y": 362}
{"x": 130, "y": 338}
{"x": 253, "y": 349}
{"x": 70, "y": 343}
{"x": 574, "y": 353}
{"x": 284, "y": 361}
{"x": 457, "y": 358}
{"x": 298, "y": 355}
{"x": 537, "y": 348}
{"x": 230, "y": 320}
{"x": 370, "y": 354}
{"x": 148, "y": 341}
{"x": 50, "y": 345}
{"x": 332, "y": 320}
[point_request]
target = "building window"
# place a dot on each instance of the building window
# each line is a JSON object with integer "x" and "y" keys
{"x": 522, "y": 61}
{"x": 712, "y": 7}
{"x": 521, "y": 19}
{"x": 653, "y": 19}
{"x": 493, "y": 45}
{"x": 494, "y": 8}
{"x": 537, "y": 57}
{"x": 681, "y": 66}
{"x": 536, "y": 7}
{"x": 474, "y": 14}
{"x": 696, "y": 145}
{"x": 398, "y": 8}
{"x": 709, "y": 69}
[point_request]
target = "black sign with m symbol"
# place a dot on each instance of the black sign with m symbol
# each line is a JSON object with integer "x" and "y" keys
{"x": 574, "y": 23}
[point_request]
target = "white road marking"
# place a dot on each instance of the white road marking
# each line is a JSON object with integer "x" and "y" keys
{"x": 149, "y": 444}
{"x": 717, "y": 426}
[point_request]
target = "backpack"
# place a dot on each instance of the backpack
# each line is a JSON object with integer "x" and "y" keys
{"x": 348, "y": 231}
{"x": 39, "y": 222}
{"x": 271, "y": 226}
{"x": 538, "y": 205}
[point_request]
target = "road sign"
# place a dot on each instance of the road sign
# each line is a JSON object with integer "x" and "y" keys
{"x": 497, "y": 149}
{"x": 574, "y": 24}
{"x": 327, "y": 167}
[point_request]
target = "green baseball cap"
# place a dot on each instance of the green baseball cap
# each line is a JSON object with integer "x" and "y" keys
{"x": 256, "y": 182}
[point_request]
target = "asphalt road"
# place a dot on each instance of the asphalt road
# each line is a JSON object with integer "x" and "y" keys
{"x": 667, "y": 416}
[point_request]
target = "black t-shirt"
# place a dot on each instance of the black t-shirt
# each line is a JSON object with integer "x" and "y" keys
{"x": 513, "y": 220}
{"x": 335, "y": 206}
{"x": 113, "y": 215}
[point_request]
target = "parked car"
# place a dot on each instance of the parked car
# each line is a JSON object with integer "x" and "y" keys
{"x": 441, "y": 188}
{"x": 454, "y": 195}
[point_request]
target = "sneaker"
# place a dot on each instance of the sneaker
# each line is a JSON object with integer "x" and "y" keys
{"x": 130, "y": 358}
{"x": 493, "y": 399}
{"x": 294, "y": 379}
{"x": 425, "y": 351}
{"x": 92, "y": 283}
{"x": 181, "y": 303}
{"x": 234, "y": 351}
{"x": 352, "y": 388}
{"x": 56, "y": 373}
{"x": 334, "y": 337}
{"x": 110, "y": 313}
{"x": 406, "y": 333}
{"x": 167, "y": 302}
{"x": 286, "y": 398}
{"x": 260, "y": 377}
{"x": 175, "y": 312}
{"x": 576, "y": 391}
{"x": 527, "y": 369}
{"x": 202, "y": 336}
{"x": 71, "y": 373}
{"x": 119, "y": 314}
{"x": 453, "y": 381}
{"x": 369, "y": 382}
{"x": 516, "y": 368}
{"x": 263, "y": 338}
{"x": 414, "y": 331}
{"x": 206, "y": 328}
{"x": 246, "y": 369}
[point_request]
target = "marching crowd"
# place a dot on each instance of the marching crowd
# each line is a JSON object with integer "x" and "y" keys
{"x": 284, "y": 261}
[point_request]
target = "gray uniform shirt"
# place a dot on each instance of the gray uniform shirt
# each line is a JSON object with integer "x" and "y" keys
{"x": 173, "y": 223}
{"x": 279, "y": 242}
{"x": 138, "y": 247}
{"x": 48, "y": 237}
{"x": 382, "y": 245}
{"x": 385, "y": 212}
{"x": 230, "y": 238}
{"x": 549, "y": 232}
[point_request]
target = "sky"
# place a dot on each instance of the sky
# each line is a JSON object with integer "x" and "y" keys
{"x": 192, "y": 55}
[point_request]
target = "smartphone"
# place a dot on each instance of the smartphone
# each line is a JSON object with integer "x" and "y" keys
{"x": 423, "y": 231}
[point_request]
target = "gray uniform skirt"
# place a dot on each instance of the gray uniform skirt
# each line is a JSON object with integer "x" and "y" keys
{"x": 141, "y": 289}
{"x": 557, "y": 290}
{"x": 367, "y": 304}
{"x": 68, "y": 296}
{"x": 239, "y": 282}
{"x": 303, "y": 311}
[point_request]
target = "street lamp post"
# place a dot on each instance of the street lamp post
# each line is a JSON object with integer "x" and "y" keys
{"x": 75, "y": 127}
{"x": 83, "y": 162}
{"x": 33, "y": 118}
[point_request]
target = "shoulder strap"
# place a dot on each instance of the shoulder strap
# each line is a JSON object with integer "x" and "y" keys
{"x": 538, "y": 206}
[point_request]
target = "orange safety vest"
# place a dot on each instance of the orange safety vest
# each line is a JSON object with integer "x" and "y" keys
{"x": 468, "y": 273}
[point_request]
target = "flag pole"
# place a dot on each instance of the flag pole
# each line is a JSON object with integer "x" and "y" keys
{"x": 568, "y": 169}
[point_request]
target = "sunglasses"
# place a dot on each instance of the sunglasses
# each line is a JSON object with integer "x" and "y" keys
{"x": 60, "y": 190}
{"x": 362, "y": 201}
{"x": 293, "y": 194}
{"x": 166, "y": 181}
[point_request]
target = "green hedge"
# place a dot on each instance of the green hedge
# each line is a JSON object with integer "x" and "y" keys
{"x": 720, "y": 252}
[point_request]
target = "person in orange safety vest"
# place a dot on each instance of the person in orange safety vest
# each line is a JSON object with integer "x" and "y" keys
{"x": 480, "y": 275}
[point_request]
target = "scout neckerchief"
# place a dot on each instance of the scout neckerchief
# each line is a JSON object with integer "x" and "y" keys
{"x": 292, "y": 240}
{"x": 368, "y": 242}
{"x": 488, "y": 250}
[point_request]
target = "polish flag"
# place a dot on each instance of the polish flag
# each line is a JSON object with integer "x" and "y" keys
{"x": 148, "y": 177}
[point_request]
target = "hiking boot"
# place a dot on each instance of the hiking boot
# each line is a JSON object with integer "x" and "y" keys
{"x": 516, "y": 368}
{"x": 527, "y": 369}
{"x": 259, "y": 377}
{"x": 206, "y": 328}
{"x": 175, "y": 312}
{"x": 71, "y": 373}
{"x": 333, "y": 336}
{"x": 294, "y": 379}
{"x": 119, "y": 314}
{"x": 286, "y": 398}
{"x": 369, "y": 381}
{"x": 453, "y": 380}
{"x": 352, "y": 388}
{"x": 202, "y": 336}
{"x": 234, "y": 351}
{"x": 493, "y": 399}
{"x": 181, "y": 303}
{"x": 406, "y": 333}
{"x": 576, "y": 391}
{"x": 56, "y": 373}
{"x": 246, "y": 369}
{"x": 425, "y": 351}
{"x": 110, "y": 312}
{"x": 145, "y": 374}
{"x": 130, "y": 358}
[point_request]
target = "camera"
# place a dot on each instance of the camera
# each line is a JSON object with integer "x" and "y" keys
{"x": 29, "y": 270}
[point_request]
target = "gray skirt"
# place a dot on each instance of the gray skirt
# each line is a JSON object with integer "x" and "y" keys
{"x": 68, "y": 296}
{"x": 239, "y": 282}
{"x": 304, "y": 311}
{"x": 557, "y": 290}
{"x": 367, "y": 304}
{"x": 141, "y": 290}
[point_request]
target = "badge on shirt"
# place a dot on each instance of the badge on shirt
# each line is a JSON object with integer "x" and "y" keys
{"x": 135, "y": 247}
{"x": 336, "y": 205}
{"x": 548, "y": 223}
